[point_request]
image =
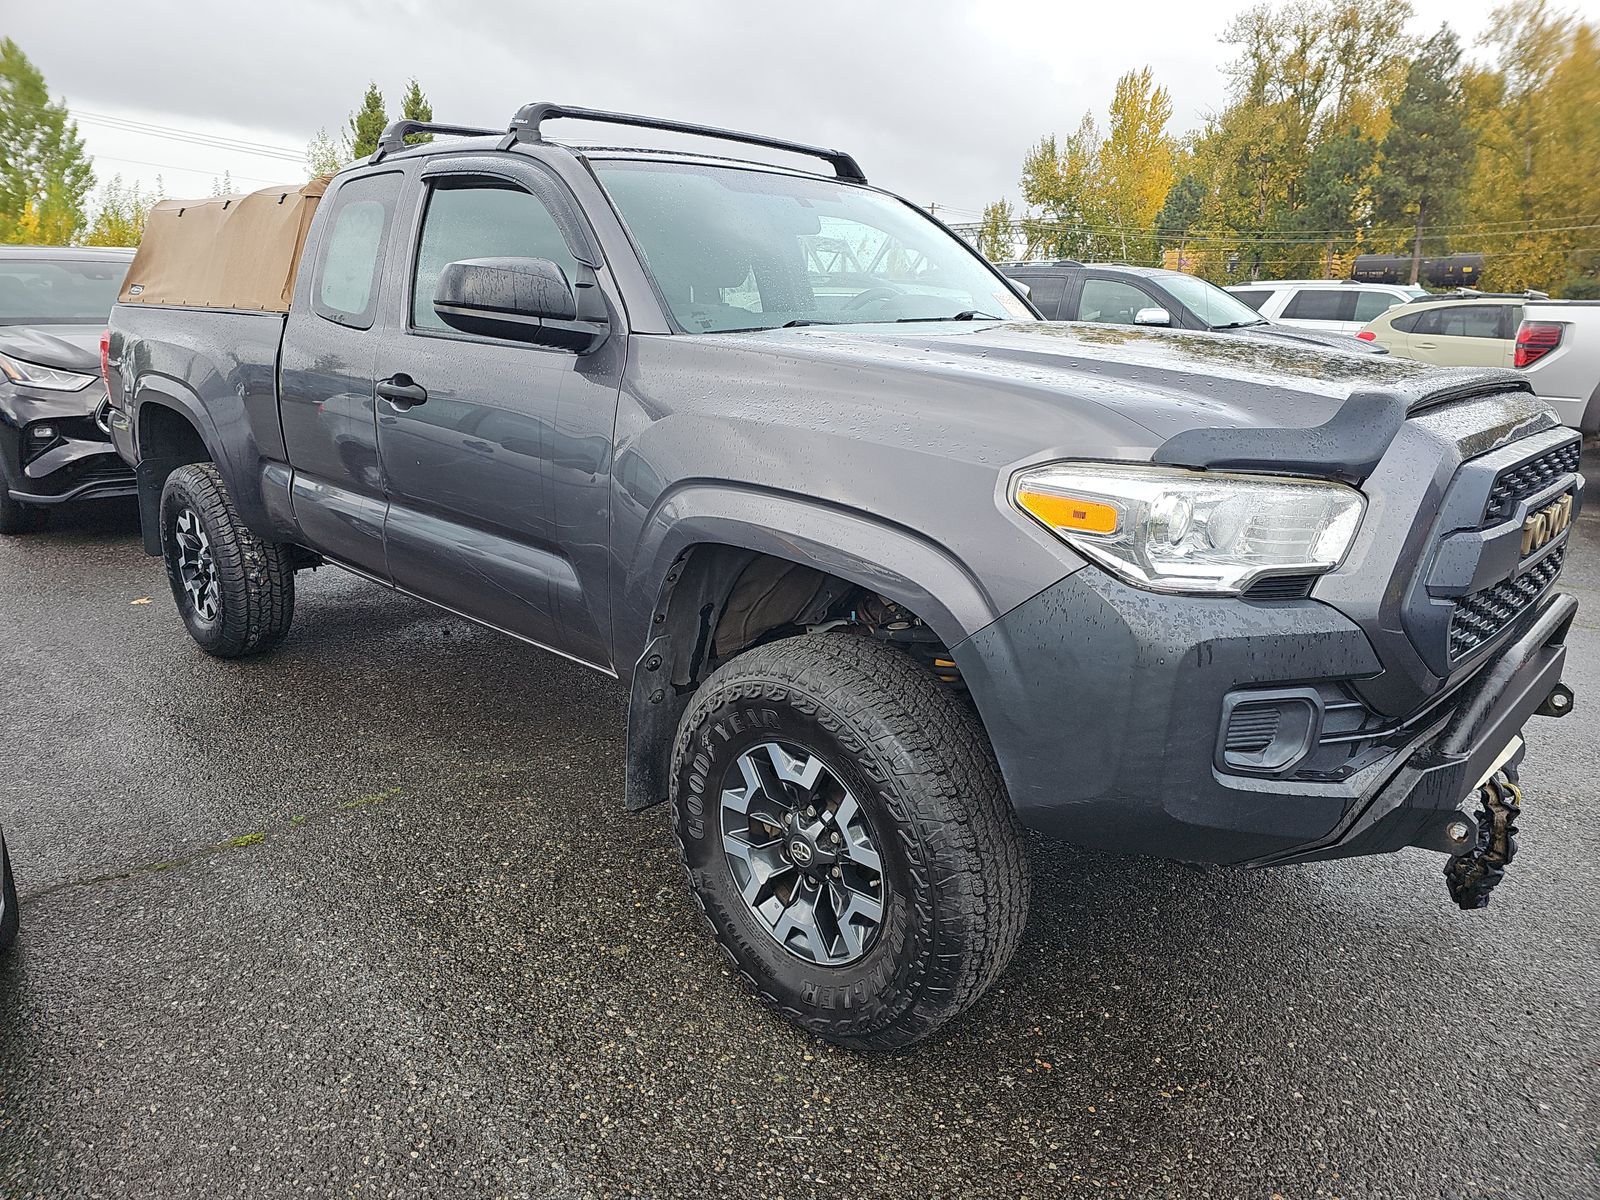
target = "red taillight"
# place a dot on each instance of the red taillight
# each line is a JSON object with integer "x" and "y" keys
{"x": 1535, "y": 339}
{"x": 1366, "y": 335}
{"x": 105, "y": 357}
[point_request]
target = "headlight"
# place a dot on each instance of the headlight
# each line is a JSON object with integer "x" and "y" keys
{"x": 49, "y": 378}
{"x": 1176, "y": 530}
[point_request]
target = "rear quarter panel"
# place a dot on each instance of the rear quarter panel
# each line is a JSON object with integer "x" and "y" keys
{"x": 216, "y": 367}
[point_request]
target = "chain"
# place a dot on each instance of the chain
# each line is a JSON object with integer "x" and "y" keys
{"x": 1473, "y": 875}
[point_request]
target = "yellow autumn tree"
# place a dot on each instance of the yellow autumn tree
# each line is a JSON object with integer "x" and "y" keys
{"x": 1536, "y": 120}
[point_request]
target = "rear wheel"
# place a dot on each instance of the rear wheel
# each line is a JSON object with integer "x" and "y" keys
{"x": 846, "y": 831}
{"x": 234, "y": 591}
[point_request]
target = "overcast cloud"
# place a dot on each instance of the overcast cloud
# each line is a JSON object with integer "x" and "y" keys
{"x": 937, "y": 100}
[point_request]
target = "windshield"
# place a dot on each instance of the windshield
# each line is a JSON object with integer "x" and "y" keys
{"x": 36, "y": 291}
{"x": 1210, "y": 303}
{"x": 738, "y": 249}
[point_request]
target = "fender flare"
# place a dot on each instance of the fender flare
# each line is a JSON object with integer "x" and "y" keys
{"x": 899, "y": 563}
{"x": 161, "y": 391}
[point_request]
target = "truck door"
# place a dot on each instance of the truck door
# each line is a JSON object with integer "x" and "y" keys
{"x": 325, "y": 377}
{"x": 496, "y": 453}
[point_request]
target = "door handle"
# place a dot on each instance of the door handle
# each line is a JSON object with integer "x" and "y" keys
{"x": 1426, "y": 345}
{"x": 402, "y": 392}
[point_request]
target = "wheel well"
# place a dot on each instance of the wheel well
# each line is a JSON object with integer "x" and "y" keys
{"x": 167, "y": 440}
{"x": 717, "y": 602}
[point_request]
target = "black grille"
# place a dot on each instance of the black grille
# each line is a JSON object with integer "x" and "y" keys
{"x": 1252, "y": 728}
{"x": 1281, "y": 587}
{"x": 1483, "y": 614}
{"x": 1513, "y": 486}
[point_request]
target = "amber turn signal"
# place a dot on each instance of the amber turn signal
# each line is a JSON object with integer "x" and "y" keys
{"x": 1069, "y": 512}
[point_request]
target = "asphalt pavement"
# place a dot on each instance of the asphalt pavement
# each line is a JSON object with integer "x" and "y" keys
{"x": 366, "y": 917}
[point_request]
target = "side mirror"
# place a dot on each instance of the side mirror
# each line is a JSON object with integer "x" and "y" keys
{"x": 523, "y": 299}
{"x": 1152, "y": 316}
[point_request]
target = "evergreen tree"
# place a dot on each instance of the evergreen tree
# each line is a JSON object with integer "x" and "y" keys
{"x": 415, "y": 107}
{"x": 1427, "y": 153}
{"x": 1338, "y": 178}
{"x": 367, "y": 124}
{"x": 45, "y": 173}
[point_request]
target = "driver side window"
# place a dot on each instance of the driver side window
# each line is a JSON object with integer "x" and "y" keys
{"x": 481, "y": 219}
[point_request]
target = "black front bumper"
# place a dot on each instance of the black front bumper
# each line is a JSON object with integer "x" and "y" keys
{"x": 78, "y": 462}
{"x": 1105, "y": 705}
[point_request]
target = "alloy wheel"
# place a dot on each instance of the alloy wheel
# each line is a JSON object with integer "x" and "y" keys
{"x": 802, "y": 854}
{"x": 196, "y": 566}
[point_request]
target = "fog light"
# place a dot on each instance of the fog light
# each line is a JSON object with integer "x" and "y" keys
{"x": 1268, "y": 732}
{"x": 43, "y": 433}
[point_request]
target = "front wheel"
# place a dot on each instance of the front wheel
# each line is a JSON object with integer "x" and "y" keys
{"x": 234, "y": 591}
{"x": 845, "y": 829}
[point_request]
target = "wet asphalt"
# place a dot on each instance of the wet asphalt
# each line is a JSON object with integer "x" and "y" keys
{"x": 367, "y": 918}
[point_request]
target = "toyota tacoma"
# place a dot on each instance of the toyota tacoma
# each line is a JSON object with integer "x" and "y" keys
{"x": 893, "y": 570}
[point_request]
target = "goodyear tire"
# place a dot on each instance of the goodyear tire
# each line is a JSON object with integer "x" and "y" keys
{"x": 234, "y": 591}
{"x": 846, "y": 832}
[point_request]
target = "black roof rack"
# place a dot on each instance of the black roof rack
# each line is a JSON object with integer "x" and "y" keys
{"x": 525, "y": 128}
{"x": 394, "y": 137}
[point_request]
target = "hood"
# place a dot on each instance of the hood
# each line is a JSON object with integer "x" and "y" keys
{"x": 67, "y": 347}
{"x": 1165, "y": 381}
{"x": 1345, "y": 343}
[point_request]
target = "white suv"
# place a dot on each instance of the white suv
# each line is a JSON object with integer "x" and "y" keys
{"x": 1340, "y": 306}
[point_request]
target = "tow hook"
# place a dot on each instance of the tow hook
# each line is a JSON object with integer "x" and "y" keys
{"x": 1472, "y": 875}
{"x": 1557, "y": 704}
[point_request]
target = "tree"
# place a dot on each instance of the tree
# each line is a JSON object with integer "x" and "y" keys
{"x": 996, "y": 236}
{"x": 1136, "y": 164}
{"x": 1058, "y": 178}
{"x": 1338, "y": 179}
{"x": 1427, "y": 153}
{"x": 223, "y": 186}
{"x": 367, "y": 124}
{"x": 120, "y": 214}
{"x": 322, "y": 155}
{"x": 1180, "y": 213}
{"x": 1533, "y": 121}
{"x": 45, "y": 173}
{"x": 1099, "y": 197}
{"x": 414, "y": 106}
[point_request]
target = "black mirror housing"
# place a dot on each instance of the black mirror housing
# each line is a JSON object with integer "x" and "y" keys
{"x": 520, "y": 299}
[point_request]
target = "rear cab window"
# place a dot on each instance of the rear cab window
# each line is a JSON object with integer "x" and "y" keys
{"x": 344, "y": 288}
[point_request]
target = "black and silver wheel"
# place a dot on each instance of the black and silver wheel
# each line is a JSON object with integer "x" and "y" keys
{"x": 802, "y": 853}
{"x": 234, "y": 591}
{"x": 845, "y": 829}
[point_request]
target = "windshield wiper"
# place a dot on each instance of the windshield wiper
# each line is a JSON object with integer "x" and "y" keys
{"x": 1243, "y": 324}
{"x": 966, "y": 314}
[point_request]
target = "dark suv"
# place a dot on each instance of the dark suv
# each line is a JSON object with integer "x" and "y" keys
{"x": 1115, "y": 294}
{"x": 54, "y": 441}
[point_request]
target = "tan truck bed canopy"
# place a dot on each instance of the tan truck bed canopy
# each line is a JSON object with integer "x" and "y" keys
{"x": 225, "y": 252}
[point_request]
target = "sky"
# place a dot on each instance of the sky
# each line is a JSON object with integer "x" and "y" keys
{"x": 938, "y": 100}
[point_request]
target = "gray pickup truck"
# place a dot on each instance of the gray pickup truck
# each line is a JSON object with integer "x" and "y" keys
{"x": 893, "y": 569}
